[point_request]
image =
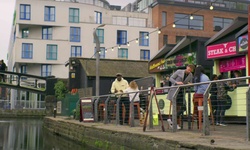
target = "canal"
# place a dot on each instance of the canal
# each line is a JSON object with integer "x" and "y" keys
{"x": 29, "y": 134}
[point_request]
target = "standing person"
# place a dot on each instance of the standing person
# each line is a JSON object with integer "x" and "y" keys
{"x": 180, "y": 77}
{"x": 199, "y": 90}
{"x": 118, "y": 87}
{"x": 3, "y": 68}
{"x": 222, "y": 88}
{"x": 213, "y": 96}
{"x": 133, "y": 87}
{"x": 235, "y": 83}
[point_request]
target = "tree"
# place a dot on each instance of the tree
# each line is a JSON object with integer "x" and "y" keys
{"x": 60, "y": 89}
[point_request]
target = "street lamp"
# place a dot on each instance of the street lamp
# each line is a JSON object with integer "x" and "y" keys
{"x": 97, "y": 59}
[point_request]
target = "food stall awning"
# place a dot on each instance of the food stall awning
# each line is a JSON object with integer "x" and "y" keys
{"x": 237, "y": 23}
{"x": 242, "y": 31}
{"x": 183, "y": 43}
{"x": 163, "y": 51}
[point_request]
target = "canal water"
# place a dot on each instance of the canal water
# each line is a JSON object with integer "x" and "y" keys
{"x": 28, "y": 134}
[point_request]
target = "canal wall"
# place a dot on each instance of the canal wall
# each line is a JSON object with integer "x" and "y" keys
{"x": 110, "y": 137}
{"x": 22, "y": 113}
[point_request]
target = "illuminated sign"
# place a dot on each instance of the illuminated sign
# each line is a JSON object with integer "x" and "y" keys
{"x": 221, "y": 50}
{"x": 243, "y": 43}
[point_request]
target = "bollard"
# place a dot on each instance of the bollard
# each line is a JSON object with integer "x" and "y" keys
{"x": 54, "y": 112}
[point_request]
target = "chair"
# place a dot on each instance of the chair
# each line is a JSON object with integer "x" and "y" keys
{"x": 101, "y": 109}
{"x": 198, "y": 102}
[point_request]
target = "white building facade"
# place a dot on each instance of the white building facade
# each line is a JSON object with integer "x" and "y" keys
{"x": 47, "y": 32}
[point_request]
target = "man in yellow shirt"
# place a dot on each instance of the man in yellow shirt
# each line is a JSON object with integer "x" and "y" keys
{"x": 118, "y": 86}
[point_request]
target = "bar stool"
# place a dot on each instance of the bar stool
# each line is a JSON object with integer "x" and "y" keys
{"x": 101, "y": 109}
{"x": 123, "y": 112}
{"x": 198, "y": 102}
{"x": 137, "y": 105}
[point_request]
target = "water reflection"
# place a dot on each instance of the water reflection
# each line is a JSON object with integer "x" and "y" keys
{"x": 28, "y": 134}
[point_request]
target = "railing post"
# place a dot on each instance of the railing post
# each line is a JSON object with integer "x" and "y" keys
{"x": 248, "y": 114}
{"x": 132, "y": 112}
{"x": 174, "y": 110}
{"x": 117, "y": 110}
{"x": 96, "y": 109}
{"x": 106, "y": 110}
{"x": 206, "y": 123}
{"x": 189, "y": 108}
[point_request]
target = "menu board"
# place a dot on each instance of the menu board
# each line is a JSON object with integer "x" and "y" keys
{"x": 86, "y": 110}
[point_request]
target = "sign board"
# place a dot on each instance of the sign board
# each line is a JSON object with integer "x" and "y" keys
{"x": 231, "y": 64}
{"x": 242, "y": 43}
{"x": 86, "y": 110}
{"x": 221, "y": 50}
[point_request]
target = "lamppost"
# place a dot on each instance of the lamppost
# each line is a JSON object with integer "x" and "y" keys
{"x": 97, "y": 76}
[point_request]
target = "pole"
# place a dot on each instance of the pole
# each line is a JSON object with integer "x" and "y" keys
{"x": 97, "y": 60}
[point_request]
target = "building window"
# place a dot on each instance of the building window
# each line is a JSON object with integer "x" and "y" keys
{"x": 138, "y": 22}
{"x": 75, "y": 34}
{"x": 100, "y": 35}
{"x": 46, "y": 70}
{"x": 121, "y": 37}
{"x": 102, "y": 52}
{"x": 144, "y": 39}
{"x": 51, "y": 53}
{"x": 183, "y": 21}
{"x": 76, "y": 51}
{"x": 24, "y": 69}
{"x": 178, "y": 39}
{"x": 25, "y": 33}
{"x": 47, "y": 33}
{"x": 220, "y": 23}
{"x": 123, "y": 53}
{"x": 74, "y": 15}
{"x": 98, "y": 17}
{"x": 49, "y": 13}
{"x": 145, "y": 55}
{"x": 165, "y": 39}
{"x": 27, "y": 51}
{"x": 120, "y": 20}
{"x": 163, "y": 19}
{"x": 24, "y": 12}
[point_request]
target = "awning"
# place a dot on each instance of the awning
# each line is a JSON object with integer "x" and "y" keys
{"x": 110, "y": 67}
{"x": 183, "y": 43}
{"x": 237, "y": 23}
{"x": 163, "y": 51}
{"x": 242, "y": 31}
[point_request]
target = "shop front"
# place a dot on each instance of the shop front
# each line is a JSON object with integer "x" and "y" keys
{"x": 190, "y": 50}
{"x": 228, "y": 50}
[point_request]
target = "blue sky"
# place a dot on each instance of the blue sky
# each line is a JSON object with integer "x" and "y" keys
{"x": 7, "y": 11}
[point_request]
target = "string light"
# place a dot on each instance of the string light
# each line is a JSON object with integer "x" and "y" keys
{"x": 174, "y": 25}
{"x": 191, "y": 17}
{"x": 159, "y": 31}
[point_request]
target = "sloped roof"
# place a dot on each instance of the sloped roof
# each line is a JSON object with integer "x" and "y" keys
{"x": 242, "y": 31}
{"x": 110, "y": 67}
{"x": 237, "y": 23}
{"x": 163, "y": 51}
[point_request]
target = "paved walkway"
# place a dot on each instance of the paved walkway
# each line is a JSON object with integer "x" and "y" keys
{"x": 232, "y": 136}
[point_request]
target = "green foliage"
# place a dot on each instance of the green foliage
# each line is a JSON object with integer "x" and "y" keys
{"x": 60, "y": 90}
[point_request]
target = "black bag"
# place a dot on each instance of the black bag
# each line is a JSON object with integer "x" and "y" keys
{"x": 228, "y": 102}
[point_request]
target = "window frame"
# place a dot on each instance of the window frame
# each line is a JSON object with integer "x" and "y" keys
{"x": 26, "y": 14}
{"x": 143, "y": 41}
{"x": 121, "y": 37}
{"x": 48, "y": 70}
{"x": 100, "y": 37}
{"x": 50, "y": 16}
{"x": 47, "y": 35}
{"x": 182, "y": 21}
{"x": 74, "y": 18}
{"x": 98, "y": 17}
{"x": 76, "y": 35}
{"x": 121, "y": 53}
{"x": 51, "y": 53}
{"x": 144, "y": 57}
{"x": 27, "y": 53}
{"x": 74, "y": 51}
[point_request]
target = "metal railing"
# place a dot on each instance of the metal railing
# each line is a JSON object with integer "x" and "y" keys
{"x": 104, "y": 107}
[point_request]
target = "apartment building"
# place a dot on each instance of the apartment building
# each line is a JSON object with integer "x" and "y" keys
{"x": 46, "y": 33}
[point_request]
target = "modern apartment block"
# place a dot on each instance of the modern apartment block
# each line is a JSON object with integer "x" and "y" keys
{"x": 46, "y": 33}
